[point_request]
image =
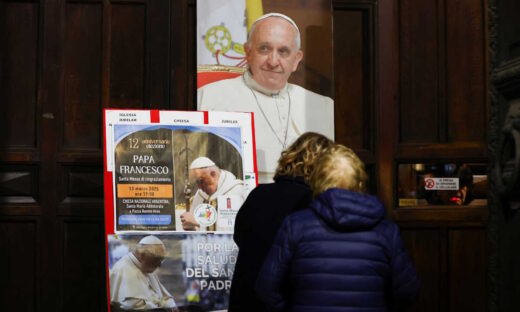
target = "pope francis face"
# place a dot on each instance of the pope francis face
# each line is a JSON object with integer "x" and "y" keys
{"x": 151, "y": 258}
{"x": 272, "y": 52}
{"x": 206, "y": 179}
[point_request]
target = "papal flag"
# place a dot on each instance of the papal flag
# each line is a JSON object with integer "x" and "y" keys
{"x": 222, "y": 30}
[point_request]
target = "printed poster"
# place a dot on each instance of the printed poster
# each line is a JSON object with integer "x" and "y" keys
{"x": 195, "y": 272}
{"x": 174, "y": 183}
{"x": 179, "y": 177}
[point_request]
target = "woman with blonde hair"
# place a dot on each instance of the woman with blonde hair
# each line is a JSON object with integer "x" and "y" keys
{"x": 263, "y": 211}
{"x": 341, "y": 254}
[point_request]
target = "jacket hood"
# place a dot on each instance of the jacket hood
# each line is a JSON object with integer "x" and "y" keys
{"x": 346, "y": 210}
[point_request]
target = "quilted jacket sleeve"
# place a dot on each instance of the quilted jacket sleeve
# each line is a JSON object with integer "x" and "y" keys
{"x": 275, "y": 270}
{"x": 405, "y": 283}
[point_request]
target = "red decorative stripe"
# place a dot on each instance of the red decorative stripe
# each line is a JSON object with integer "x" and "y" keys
{"x": 109, "y": 203}
{"x": 254, "y": 145}
{"x": 154, "y": 116}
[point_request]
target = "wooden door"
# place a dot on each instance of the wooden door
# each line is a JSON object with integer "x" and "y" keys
{"x": 410, "y": 85}
{"x": 62, "y": 62}
{"x": 411, "y": 88}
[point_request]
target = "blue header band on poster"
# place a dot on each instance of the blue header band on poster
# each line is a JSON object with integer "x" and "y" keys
{"x": 230, "y": 134}
{"x": 145, "y": 219}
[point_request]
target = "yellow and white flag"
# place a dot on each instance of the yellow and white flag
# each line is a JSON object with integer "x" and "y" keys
{"x": 222, "y": 30}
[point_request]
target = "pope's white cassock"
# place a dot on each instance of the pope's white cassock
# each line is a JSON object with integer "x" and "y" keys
{"x": 133, "y": 289}
{"x": 228, "y": 185}
{"x": 280, "y": 118}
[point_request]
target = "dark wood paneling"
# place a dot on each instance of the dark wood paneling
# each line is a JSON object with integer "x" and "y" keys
{"x": 466, "y": 90}
{"x": 316, "y": 72}
{"x": 81, "y": 76}
{"x": 349, "y": 95}
{"x": 183, "y": 50}
{"x": 61, "y": 62}
{"x": 51, "y": 101}
{"x": 442, "y": 72}
{"x": 424, "y": 247}
{"x": 19, "y": 184}
{"x": 452, "y": 151}
{"x": 83, "y": 265}
{"x": 18, "y": 264}
{"x": 467, "y": 254}
{"x": 85, "y": 184}
{"x": 422, "y": 59}
{"x": 388, "y": 104}
{"x": 127, "y": 55}
{"x": 354, "y": 66}
{"x": 81, "y": 191}
{"x": 140, "y": 54}
{"x": 419, "y": 70}
{"x": 18, "y": 74}
{"x": 474, "y": 215}
{"x": 158, "y": 53}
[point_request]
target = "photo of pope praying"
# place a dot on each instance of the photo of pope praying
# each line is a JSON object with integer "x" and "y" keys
{"x": 133, "y": 284}
{"x": 208, "y": 175}
{"x": 211, "y": 182}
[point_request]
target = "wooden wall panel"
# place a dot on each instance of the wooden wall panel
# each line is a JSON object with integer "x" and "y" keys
{"x": 83, "y": 267}
{"x": 424, "y": 246}
{"x": 19, "y": 265}
{"x": 465, "y": 69}
{"x": 85, "y": 183}
{"x": 158, "y": 53}
{"x": 467, "y": 269}
{"x": 19, "y": 74}
{"x": 442, "y": 63}
{"x": 419, "y": 71}
{"x": 127, "y": 55}
{"x": 354, "y": 112}
{"x": 81, "y": 190}
{"x": 81, "y": 76}
{"x": 348, "y": 27}
{"x": 183, "y": 49}
{"x": 19, "y": 184}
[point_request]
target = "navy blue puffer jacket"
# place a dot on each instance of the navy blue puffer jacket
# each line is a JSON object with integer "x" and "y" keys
{"x": 340, "y": 255}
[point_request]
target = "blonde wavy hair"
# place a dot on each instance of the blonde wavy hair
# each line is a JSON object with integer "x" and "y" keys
{"x": 299, "y": 158}
{"x": 338, "y": 167}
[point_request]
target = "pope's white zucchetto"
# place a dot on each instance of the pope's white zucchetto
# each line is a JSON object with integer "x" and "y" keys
{"x": 150, "y": 240}
{"x": 285, "y": 17}
{"x": 202, "y": 162}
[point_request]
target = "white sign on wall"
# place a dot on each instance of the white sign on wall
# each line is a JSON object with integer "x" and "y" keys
{"x": 441, "y": 183}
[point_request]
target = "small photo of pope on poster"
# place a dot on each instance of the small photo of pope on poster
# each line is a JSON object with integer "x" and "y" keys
{"x": 183, "y": 178}
{"x": 170, "y": 272}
